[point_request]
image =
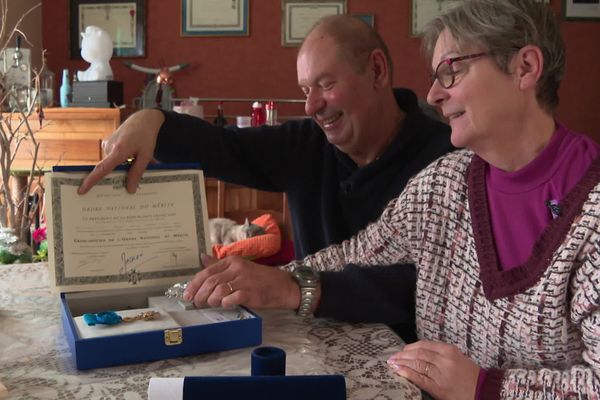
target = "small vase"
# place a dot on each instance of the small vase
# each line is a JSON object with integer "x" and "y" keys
{"x": 65, "y": 89}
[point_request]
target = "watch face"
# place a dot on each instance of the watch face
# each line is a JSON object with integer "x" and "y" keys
{"x": 306, "y": 275}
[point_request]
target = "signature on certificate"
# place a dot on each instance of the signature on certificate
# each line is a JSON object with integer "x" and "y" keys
{"x": 129, "y": 260}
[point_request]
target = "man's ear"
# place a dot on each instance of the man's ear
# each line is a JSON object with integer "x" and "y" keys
{"x": 529, "y": 63}
{"x": 381, "y": 70}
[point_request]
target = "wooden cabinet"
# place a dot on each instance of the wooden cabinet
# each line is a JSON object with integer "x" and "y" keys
{"x": 68, "y": 136}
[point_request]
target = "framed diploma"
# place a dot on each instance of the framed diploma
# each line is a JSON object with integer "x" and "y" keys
{"x": 424, "y": 11}
{"x": 109, "y": 239}
{"x": 123, "y": 20}
{"x": 297, "y": 17}
{"x": 582, "y": 10}
{"x": 214, "y": 17}
{"x": 369, "y": 19}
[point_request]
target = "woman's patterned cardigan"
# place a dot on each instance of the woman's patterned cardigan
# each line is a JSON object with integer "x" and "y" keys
{"x": 535, "y": 327}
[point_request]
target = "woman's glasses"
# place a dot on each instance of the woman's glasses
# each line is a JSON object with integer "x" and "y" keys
{"x": 445, "y": 73}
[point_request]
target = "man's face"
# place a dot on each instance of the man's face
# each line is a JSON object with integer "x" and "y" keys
{"x": 340, "y": 99}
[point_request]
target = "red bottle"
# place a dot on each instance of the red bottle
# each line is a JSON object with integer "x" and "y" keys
{"x": 258, "y": 114}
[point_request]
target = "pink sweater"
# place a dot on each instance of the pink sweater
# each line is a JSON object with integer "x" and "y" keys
{"x": 518, "y": 200}
{"x": 536, "y": 327}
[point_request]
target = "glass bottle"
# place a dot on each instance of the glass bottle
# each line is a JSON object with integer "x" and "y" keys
{"x": 46, "y": 84}
{"x": 65, "y": 89}
{"x": 220, "y": 118}
{"x": 271, "y": 113}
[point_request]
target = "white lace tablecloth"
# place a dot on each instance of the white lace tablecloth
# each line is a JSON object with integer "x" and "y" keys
{"x": 35, "y": 360}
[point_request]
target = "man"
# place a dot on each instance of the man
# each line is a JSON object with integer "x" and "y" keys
{"x": 339, "y": 169}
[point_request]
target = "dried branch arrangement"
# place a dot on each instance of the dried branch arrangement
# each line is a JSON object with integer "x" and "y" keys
{"x": 16, "y": 211}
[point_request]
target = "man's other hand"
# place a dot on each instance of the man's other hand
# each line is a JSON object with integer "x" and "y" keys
{"x": 237, "y": 281}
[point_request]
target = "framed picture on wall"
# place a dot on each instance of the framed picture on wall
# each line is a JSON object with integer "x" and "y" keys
{"x": 581, "y": 10}
{"x": 297, "y": 17}
{"x": 368, "y": 18}
{"x": 214, "y": 17}
{"x": 423, "y": 11}
{"x": 125, "y": 22}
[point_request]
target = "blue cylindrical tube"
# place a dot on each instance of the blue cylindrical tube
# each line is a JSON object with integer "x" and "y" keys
{"x": 267, "y": 361}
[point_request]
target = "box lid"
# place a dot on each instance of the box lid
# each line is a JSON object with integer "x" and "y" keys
{"x": 109, "y": 238}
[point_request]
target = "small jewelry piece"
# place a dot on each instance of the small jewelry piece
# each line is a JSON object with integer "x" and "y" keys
{"x": 176, "y": 291}
{"x": 112, "y": 318}
{"x": 554, "y": 207}
{"x": 427, "y": 370}
{"x": 230, "y": 287}
{"x": 143, "y": 316}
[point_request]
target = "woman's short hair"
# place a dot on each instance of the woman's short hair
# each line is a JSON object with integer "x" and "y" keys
{"x": 502, "y": 27}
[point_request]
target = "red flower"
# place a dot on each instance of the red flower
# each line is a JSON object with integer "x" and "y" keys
{"x": 39, "y": 234}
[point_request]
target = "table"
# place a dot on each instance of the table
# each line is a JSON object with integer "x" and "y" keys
{"x": 35, "y": 360}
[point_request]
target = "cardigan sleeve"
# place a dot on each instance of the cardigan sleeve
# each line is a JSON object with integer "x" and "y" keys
{"x": 380, "y": 243}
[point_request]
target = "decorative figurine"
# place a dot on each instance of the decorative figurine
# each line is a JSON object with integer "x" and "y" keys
{"x": 158, "y": 92}
{"x": 96, "y": 48}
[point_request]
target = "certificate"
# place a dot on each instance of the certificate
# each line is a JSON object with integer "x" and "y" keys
{"x": 117, "y": 19}
{"x": 214, "y": 17}
{"x": 423, "y": 11}
{"x": 109, "y": 238}
{"x": 298, "y": 17}
{"x": 123, "y": 20}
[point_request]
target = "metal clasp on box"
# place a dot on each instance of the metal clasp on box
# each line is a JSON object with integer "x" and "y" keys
{"x": 173, "y": 337}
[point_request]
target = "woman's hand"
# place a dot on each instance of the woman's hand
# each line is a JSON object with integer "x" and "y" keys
{"x": 438, "y": 368}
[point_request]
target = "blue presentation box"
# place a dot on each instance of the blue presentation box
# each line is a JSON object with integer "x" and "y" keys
{"x": 153, "y": 345}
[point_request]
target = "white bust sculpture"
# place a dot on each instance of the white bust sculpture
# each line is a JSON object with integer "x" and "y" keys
{"x": 96, "y": 48}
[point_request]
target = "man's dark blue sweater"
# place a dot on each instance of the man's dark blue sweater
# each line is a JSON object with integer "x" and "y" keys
{"x": 330, "y": 197}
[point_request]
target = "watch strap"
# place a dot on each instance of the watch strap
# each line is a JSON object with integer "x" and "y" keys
{"x": 308, "y": 280}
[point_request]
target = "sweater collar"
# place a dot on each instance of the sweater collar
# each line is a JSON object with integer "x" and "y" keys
{"x": 499, "y": 283}
{"x": 535, "y": 173}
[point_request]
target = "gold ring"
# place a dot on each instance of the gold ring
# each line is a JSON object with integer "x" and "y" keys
{"x": 427, "y": 370}
{"x": 230, "y": 287}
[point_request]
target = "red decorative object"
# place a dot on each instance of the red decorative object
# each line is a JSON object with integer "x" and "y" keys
{"x": 39, "y": 234}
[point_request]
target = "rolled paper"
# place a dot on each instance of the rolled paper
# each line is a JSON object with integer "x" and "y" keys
{"x": 165, "y": 389}
{"x": 267, "y": 360}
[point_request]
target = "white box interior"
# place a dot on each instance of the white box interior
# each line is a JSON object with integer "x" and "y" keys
{"x": 130, "y": 302}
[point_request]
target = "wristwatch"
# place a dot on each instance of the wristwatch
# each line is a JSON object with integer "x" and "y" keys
{"x": 308, "y": 280}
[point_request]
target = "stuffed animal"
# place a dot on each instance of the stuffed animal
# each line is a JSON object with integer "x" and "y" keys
{"x": 96, "y": 48}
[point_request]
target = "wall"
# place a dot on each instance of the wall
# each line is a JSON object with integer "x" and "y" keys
{"x": 258, "y": 66}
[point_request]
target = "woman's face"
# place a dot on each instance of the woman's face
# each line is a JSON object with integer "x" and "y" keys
{"x": 482, "y": 101}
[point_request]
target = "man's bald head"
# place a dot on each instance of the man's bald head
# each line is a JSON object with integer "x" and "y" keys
{"x": 355, "y": 39}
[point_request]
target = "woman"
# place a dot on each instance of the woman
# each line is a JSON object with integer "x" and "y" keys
{"x": 505, "y": 234}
